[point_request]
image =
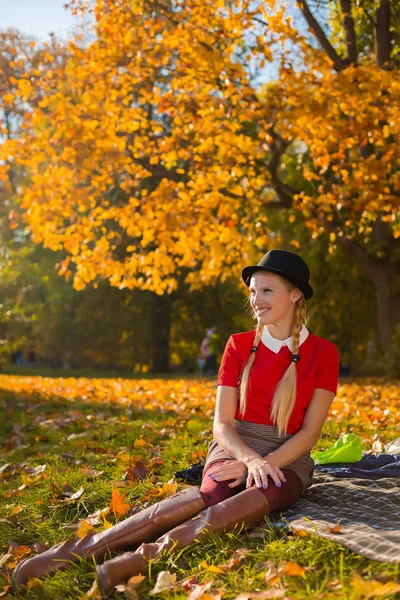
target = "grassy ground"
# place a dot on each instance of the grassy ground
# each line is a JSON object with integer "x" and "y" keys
{"x": 91, "y": 434}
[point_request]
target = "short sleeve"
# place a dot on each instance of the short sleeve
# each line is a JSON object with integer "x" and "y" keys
{"x": 231, "y": 365}
{"x": 327, "y": 374}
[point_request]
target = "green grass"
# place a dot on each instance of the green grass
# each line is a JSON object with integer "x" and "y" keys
{"x": 70, "y": 436}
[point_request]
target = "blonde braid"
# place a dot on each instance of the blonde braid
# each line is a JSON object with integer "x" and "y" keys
{"x": 285, "y": 392}
{"x": 247, "y": 368}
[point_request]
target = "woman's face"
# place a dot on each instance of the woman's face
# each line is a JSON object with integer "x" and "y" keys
{"x": 272, "y": 298}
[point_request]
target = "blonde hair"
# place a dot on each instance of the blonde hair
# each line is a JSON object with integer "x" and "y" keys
{"x": 285, "y": 392}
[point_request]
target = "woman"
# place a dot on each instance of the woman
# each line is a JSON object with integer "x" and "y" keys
{"x": 275, "y": 386}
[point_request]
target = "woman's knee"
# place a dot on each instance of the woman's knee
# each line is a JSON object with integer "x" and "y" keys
{"x": 281, "y": 497}
{"x": 212, "y": 491}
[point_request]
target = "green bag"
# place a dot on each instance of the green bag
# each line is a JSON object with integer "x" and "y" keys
{"x": 348, "y": 448}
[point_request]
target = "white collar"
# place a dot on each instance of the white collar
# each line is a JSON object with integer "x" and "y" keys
{"x": 275, "y": 345}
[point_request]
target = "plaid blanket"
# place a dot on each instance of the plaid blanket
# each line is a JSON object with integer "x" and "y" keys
{"x": 368, "y": 511}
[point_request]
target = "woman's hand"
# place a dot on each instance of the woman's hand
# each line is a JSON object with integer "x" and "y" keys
{"x": 258, "y": 470}
{"x": 232, "y": 469}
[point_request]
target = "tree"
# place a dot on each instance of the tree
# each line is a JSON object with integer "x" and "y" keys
{"x": 154, "y": 162}
{"x": 345, "y": 109}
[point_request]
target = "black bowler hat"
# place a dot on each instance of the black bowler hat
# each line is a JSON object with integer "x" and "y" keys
{"x": 288, "y": 265}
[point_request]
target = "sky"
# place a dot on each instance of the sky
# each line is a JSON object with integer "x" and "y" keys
{"x": 37, "y": 17}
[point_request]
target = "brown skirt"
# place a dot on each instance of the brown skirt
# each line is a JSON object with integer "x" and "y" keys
{"x": 264, "y": 439}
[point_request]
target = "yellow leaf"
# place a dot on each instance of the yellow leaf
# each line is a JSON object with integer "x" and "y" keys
{"x": 372, "y": 589}
{"x": 106, "y": 524}
{"x": 210, "y": 568}
{"x": 140, "y": 443}
{"x": 169, "y": 489}
{"x": 83, "y": 529}
{"x": 33, "y": 583}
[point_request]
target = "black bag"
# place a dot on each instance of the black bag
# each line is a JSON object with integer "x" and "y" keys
{"x": 192, "y": 475}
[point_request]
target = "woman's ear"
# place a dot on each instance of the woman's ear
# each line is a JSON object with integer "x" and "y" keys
{"x": 296, "y": 295}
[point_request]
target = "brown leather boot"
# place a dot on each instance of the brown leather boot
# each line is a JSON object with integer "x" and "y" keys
{"x": 248, "y": 507}
{"x": 141, "y": 527}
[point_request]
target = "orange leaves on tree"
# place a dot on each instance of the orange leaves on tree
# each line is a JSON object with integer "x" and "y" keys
{"x": 118, "y": 505}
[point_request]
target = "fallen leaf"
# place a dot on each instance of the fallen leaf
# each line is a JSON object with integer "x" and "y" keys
{"x": 72, "y": 496}
{"x": 137, "y": 470}
{"x": 16, "y": 510}
{"x": 335, "y": 528}
{"x": 169, "y": 489}
{"x": 136, "y": 580}
{"x": 377, "y": 447}
{"x": 189, "y": 583}
{"x": 94, "y": 591}
{"x": 106, "y": 524}
{"x": 293, "y": 569}
{"x": 91, "y": 472}
{"x": 131, "y": 586}
{"x": 95, "y": 518}
{"x": 33, "y": 583}
{"x": 372, "y": 589}
{"x": 83, "y": 529}
{"x": 210, "y": 568}
{"x": 272, "y": 575}
{"x": 18, "y": 551}
{"x": 4, "y": 559}
{"x": 238, "y": 556}
{"x": 139, "y": 443}
{"x": 199, "y": 590}
{"x": 164, "y": 583}
{"x": 118, "y": 505}
{"x": 5, "y": 590}
{"x": 35, "y": 470}
{"x": 67, "y": 490}
{"x": 299, "y": 532}
{"x": 261, "y": 595}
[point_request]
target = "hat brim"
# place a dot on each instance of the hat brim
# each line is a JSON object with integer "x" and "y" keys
{"x": 306, "y": 288}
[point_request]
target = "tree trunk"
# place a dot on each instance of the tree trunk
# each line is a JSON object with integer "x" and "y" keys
{"x": 350, "y": 33}
{"x": 383, "y": 279}
{"x": 160, "y": 332}
{"x": 382, "y": 34}
{"x": 382, "y": 273}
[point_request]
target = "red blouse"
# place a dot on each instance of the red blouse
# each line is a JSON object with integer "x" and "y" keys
{"x": 317, "y": 368}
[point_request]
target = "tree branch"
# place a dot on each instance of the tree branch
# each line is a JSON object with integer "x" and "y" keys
{"x": 338, "y": 63}
{"x": 348, "y": 25}
{"x": 366, "y": 13}
{"x": 278, "y": 147}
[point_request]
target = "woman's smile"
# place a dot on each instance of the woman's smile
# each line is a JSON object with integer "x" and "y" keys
{"x": 261, "y": 311}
